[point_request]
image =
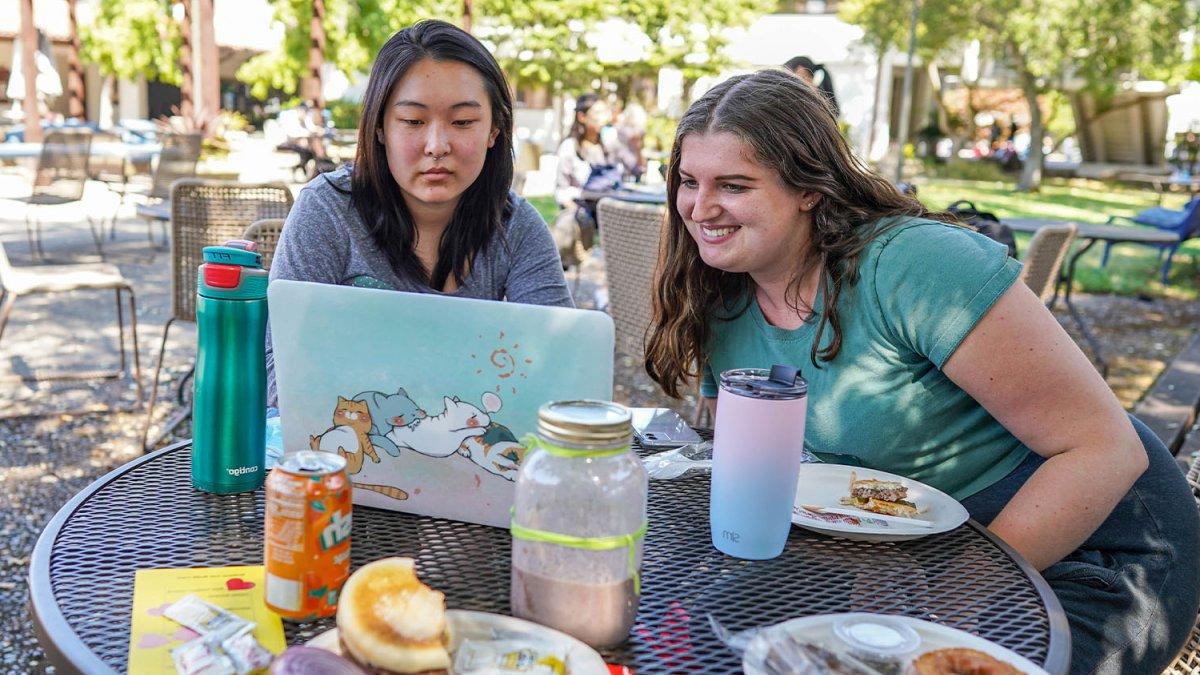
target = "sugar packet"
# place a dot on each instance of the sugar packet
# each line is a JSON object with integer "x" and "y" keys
{"x": 203, "y": 617}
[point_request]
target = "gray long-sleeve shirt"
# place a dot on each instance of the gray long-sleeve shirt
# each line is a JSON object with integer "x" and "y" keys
{"x": 324, "y": 240}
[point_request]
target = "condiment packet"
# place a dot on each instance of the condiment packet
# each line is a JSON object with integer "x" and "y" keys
{"x": 245, "y": 651}
{"x": 201, "y": 657}
{"x": 509, "y": 657}
{"x": 203, "y": 617}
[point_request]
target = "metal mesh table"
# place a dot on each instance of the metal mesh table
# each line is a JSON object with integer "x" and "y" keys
{"x": 146, "y": 515}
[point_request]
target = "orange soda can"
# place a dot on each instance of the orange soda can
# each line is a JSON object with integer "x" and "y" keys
{"x": 306, "y": 535}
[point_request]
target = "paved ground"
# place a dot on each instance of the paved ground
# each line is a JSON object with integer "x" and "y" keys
{"x": 47, "y": 456}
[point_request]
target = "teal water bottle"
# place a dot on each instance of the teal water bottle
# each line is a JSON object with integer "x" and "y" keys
{"x": 230, "y": 397}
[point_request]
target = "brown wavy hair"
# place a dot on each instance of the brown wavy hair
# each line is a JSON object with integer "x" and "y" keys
{"x": 788, "y": 126}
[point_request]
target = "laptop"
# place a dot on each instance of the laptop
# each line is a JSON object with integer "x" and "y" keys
{"x": 427, "y": 396}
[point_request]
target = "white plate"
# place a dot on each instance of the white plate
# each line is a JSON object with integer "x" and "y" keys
{"x": 465, "y": 625}
{"x": 826, "y": 484}
{"x": 819, "y": 630}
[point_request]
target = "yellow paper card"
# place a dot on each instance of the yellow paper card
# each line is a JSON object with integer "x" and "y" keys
{"x": 152, "y": 636}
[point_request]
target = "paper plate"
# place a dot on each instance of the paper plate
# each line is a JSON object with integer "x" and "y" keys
{"x": 819, "y": 630}
{"x": 826, "y": 484}
{"x": 465, "y": 625}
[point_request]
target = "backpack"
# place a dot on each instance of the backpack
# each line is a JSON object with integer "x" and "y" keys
{"x": 985, "y": 223}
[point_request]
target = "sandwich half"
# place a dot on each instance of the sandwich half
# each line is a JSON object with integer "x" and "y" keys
{"x": 888, "y": 497}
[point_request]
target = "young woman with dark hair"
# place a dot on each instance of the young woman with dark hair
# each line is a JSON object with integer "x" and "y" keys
{"x": 426, "y": 206}
{"x": 925, "y": 356}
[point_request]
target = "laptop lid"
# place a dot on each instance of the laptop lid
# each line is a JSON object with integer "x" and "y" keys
{"x": 428, "y": 396}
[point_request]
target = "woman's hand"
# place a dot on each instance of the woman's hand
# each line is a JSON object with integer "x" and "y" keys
{"x": 1021, "y": 366}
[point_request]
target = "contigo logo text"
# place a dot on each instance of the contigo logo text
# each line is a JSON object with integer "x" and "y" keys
{"x": 242, "y": 470}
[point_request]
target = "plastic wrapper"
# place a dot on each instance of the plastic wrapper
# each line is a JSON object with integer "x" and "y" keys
{"x": 201, "y": 657}
{"x": 203, "y": 617}
{"x": 683, "y": 462}
{"x": 244, "y": 651}
{"x": 508, "y": 657}
{"x": 775, "y": 651}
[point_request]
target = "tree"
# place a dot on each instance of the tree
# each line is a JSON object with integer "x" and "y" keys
{"x": 33, "y": 125}
{"x": 353, "y": 33}
{"x": 133, "y": 38}
{"x": 537, "y": 42}
{"x": 1048, "y": 44}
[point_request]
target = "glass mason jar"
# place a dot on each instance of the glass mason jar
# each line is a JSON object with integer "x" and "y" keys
{"x": 579, "y": 519}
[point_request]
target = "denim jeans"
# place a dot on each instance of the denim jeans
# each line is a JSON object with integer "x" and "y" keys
{"x": 1131, "y": 592}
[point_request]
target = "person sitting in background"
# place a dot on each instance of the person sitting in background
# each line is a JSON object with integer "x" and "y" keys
{"x": 582, "y": 151}
{"x": 631, "y": 140}
{"x": 925, "y": 356}
{"x": 817, "y": 75}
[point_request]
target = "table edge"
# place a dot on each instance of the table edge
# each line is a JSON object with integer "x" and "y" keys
{"x": 49, "y": 624}
{"x": 1058, "y": 652}
{"x": 1026, "y": 226}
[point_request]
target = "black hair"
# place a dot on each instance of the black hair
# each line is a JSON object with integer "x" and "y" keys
{"x": 482, "y": 209}
{"x": 826, "y": 85}
{"x": 582, "y": 104}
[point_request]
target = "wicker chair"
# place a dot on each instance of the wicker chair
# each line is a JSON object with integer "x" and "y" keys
{"x": 205, "y": 213}
{"x": 1188, "y": 660}
{"x": 630, "y": 236}
{"x": 18, "y": 281}
{"x": 62, "y": 171}
{"x": 265, "y": 233}
{"x": 1044, "y": 258}
{"x": 178, "y": 159}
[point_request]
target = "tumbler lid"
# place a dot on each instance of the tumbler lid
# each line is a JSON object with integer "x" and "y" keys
{"x": 779, "y": 383}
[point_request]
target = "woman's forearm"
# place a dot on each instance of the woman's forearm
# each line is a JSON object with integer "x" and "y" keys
{"x": 1067, "y": 499}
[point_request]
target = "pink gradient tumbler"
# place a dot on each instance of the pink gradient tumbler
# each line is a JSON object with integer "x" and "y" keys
{"x": 758, "y": 447}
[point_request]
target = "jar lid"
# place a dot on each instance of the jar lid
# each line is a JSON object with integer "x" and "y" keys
{"x": 778, "y": 383}
{"x": 877, "y": 636}
{"x": 585, "y": 422}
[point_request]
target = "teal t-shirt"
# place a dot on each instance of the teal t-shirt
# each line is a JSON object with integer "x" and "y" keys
{"x": 884, "y": 399}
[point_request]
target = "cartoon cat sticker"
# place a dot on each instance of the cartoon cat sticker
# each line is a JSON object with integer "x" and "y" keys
{"x": 373, "y": 421}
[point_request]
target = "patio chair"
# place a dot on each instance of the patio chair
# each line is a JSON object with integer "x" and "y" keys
{"x": 110, "y": 168}
{"x": 19, "y": 281}
{"x": 265, "y": 233}
{"x": 178, "y": 159}
{"x": 205, "y": 213}
{"x": 630, "y": 234}
{"x": 62, "y": 171}
{"x": 1185, "y": 224}
{"x": 1188, "y": 660}
{"x": 1044, "y": 259}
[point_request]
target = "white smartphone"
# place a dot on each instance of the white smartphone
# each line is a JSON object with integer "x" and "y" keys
{"x": 662, "y": 428}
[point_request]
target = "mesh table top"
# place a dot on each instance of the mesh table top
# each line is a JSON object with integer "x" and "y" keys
{"x": 146, "y": 515}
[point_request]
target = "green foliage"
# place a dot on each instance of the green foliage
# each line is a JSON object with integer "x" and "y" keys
{"x": 660, "y": 133}
{"x": 354, "y": 32}
{"x": 537, "y": 42}
{"x": 132, "y": 39}
{"x": 345, "y": 114}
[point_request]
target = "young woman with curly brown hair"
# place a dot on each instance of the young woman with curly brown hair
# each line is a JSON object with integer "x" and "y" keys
{"x": 925, "y": 357}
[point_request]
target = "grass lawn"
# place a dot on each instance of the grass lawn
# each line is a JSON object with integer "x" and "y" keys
{"x": 1132, "y": 269}
{"x": 545, "y": 206}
